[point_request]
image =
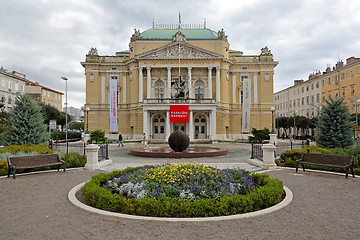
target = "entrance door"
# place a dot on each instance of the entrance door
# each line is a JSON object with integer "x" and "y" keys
{"x": 180, "y": 126}
{"x": 159, "y": 127}
{"x": 200, "y": 127}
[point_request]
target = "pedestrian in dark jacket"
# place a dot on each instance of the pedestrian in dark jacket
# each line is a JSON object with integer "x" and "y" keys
{"x": 120, "y": 139}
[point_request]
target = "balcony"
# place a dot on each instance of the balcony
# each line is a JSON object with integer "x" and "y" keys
{"x": 179, "y": 101}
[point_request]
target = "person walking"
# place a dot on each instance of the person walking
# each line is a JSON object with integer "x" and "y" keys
{"x": 144, "y": 140}
{"x": 120, "y": 139}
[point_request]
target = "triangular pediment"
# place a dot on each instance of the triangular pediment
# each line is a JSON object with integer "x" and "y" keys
{"x": 171, "y": 51}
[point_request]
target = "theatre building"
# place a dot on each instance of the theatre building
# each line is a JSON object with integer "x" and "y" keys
{"x": 179, "y": 77}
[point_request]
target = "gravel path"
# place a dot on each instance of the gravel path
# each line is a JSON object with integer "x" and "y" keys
{"x": 35, "y": 206}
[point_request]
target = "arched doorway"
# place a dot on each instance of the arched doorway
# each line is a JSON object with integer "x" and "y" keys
{"x": 159, "y": 127}
{"x": 200, "y": 126}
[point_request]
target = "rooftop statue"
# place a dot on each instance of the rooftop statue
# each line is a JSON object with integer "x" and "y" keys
{"x": 93, "y": 52}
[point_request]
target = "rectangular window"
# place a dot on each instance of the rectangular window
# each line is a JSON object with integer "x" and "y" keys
{"x": 16, "y": 87}
{"x": 10, "y": 86}
{"x": 52, "y": 95}
{"x": 302, "y": 89}
{"x": 329, "y": 80}
{"x": 48, "y": 94}
{"x": 302, "y": 101}
{"x": 307, "y": 100}
{"x": 44, "y": 93}
{"x": 21, "y": 88}
{"x": 323, "y": 82}
{"x": 343, "y": 76}
{"x": 317, "y": 98}
{"x": 312, "y": 99}
{"x": 312, "y": 86}
{"x": 352, "y": 89}
{"x": 344, "y": 91}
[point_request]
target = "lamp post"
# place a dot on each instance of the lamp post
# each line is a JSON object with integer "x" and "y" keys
{"x": 87, "y": 120}
{"x": 356, "y": 114}
{"x": 66, "y": 105}
{"x": 272, "y": 120}
{"x": 294, "y": 123}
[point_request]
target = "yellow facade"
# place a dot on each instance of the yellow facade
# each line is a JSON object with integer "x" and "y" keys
{"x": 342, "y": 81}
{"x": 212, "y": 77}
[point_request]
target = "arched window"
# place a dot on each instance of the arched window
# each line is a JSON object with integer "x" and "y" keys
{"x": 199, "y": 89}
{"x": 159, "y": 90}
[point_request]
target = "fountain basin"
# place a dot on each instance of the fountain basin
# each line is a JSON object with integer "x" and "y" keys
{"x": 190, "y": 152}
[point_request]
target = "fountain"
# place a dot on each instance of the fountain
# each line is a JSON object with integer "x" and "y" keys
{"x": 179, "y": 148}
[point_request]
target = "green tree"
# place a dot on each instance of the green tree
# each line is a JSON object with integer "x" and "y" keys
{"x": 26, "y": 123}
{"x": 76, "y": 126}
{"x": 52, "y": 113}
{"x": 334, "y": 128}
{"x": 97, "y": 136}
{"x": 259, "y": 135}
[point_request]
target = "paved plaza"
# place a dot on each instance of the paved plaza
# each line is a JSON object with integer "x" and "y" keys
{"x": 35, "y": 206}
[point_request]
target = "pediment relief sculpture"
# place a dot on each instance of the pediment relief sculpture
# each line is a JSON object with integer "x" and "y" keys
{"x": 172, "y": 52}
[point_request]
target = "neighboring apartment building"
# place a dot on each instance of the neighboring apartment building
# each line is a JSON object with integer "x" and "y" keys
{"x": 222, "y": 93}
{"x": 11, "y": 85}
{"x": 44, "y": 94}
{"x": 306, "y": 97}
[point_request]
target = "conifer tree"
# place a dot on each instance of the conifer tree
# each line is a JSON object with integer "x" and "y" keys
{"x": 334, "y": 128}
{"x": 26, "y": 123}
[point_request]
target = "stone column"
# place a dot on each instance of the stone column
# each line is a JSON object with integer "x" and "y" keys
{"x": 167, "y": 126}
{"x": 209, "y": 82}
{"x": 191, "y": 126}
{"x": 145, "y": 122}
{"x": 217, "y": 84}
{"x": 272, "y": 138}
{"x": 189, "y": 82}
{"x": 268, "y": 156}
{"x": 91, "y": 152}
{"x": 168, "y": 94}
{"x": 148, "y": 82}
{"x": 255, "y": 88}
{"x": 140, "y": 84}
{"x": 234, "y": 88}
{"x": 103, "y": 88}
{"x": 124, "y": 88}
{"x": 213, "y": 124}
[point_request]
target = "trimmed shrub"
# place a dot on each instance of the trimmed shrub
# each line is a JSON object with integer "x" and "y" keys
{"x": 74, "y": 159}
{"x": 269, "y": 192}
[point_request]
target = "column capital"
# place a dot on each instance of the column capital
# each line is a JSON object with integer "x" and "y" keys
{"x": 189, "y": 68}
{"x": 148, "y": 68}
{"x": 217, "y": 68}
{"x": 140, "y": 68}
{"x": 210, "y": 68}
{"x": 169, "y": 68}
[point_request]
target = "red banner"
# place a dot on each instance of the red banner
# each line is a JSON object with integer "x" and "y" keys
{"x": 179, "y": 113}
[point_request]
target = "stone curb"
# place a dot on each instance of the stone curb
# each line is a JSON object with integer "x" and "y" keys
{"x": 286, "y": 201}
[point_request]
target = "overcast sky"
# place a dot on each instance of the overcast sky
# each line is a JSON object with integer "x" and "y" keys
{"x": 47, "y": 39}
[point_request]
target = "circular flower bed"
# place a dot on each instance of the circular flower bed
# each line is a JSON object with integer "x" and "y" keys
{"x": 182, "y": 190}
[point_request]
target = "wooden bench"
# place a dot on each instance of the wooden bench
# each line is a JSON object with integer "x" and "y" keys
{"x": 326, "y": 160}
{"x": 24, "y": 162}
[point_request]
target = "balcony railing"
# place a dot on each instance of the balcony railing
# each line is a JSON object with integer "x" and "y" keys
{"x": 177, "y": 101}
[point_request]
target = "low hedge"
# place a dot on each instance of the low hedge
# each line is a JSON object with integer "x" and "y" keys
{"x": 288, "y": 158}
{"x": 269, "y": 193}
